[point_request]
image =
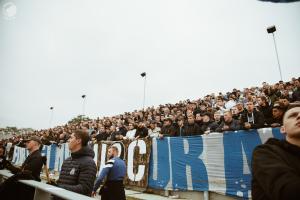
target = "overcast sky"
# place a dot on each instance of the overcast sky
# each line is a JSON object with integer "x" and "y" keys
{"x": 53, "y": 51}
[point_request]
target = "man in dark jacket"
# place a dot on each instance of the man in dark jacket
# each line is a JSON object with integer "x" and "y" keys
{"x": 229, "y": 124}
{"x": 168, "y": 130}
{"x": 191, "y": 128}
{"x": 30, "y": 170}
{"x": 252, "y": 119}
{"x": 78, "y": 172}
{"x": 265, "y": 108}
{"x": 276, "y": 164}
{"x": 141, "y": 131}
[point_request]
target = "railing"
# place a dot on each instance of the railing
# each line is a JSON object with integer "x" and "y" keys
{"x": 44, "y": 191}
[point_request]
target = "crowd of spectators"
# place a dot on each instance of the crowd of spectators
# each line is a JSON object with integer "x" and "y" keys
{"x": 250, "y": 108}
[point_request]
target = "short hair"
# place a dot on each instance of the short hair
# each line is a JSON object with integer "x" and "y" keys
{"x": 83, "y": 135}
{"x": 114, "y": 148}
{"x": 263, "y": 98}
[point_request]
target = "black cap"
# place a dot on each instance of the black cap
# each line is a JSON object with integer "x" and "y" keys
{"x": 34, "y": 138}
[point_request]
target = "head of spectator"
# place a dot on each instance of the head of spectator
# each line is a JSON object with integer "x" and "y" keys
{"x": 180, "y": 122}
{"x": 206, "y": 117}
{"x": 152, "y": 124}
{"x": 291, "y": 125}
{"x": 131, "y": 126}
{"x": 277, "y": 114}
{"x": 191, "y": 119}
{"x": 198, "y": 118}
{"x": 250, "y": 106}
{"x": 167, "y": 122}
{"x": 141, "y": 124}
{"x": 284, "y": 102}
{"x": 227, "y": 116}
{"x": 101, "y": 129}
{"x": 217, "y": 116}
{"x": 262, "y": 101}
{"x": 33, "y": 143}
{"x": 78, "y": 139}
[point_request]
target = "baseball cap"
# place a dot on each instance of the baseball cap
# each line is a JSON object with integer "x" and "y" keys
{"x": 34, "y": 138}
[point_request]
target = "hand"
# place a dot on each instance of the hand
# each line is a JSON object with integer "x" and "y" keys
{"x": 225, "y": 127}
{"x": 93, "y": 194}
{"x": 52, "y": 182}
{"x": 247, "y": 125}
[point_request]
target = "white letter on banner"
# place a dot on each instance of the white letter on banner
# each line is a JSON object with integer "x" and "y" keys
{"x": 59, "y": 158}
{"x": 103, "y": 156}
{"x": 15, "y": 155}
{"x": 96, "y": 153}
{"x": 141, "y": 169}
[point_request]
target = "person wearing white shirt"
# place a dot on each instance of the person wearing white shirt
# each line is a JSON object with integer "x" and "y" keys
{"x": 130, "y": 133}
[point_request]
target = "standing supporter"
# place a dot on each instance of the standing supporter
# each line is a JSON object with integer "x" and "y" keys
{"x": 252, "y": 119}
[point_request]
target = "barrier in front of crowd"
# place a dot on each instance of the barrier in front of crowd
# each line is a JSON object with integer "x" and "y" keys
{"x": 218, "y": 162}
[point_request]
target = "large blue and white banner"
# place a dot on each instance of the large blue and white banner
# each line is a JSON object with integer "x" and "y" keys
{"x": 55, "y": 155}
{"x": 218, "y": 162}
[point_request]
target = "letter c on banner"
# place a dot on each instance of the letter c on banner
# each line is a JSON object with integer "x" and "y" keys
{"x": 141, "y": 169}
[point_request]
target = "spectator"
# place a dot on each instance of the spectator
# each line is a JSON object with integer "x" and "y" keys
{"x": 252, "y": 119}
{"x": 141, "y": 131}
{"x": 78, "y": 172}
{"x": 198, "y": 119}
{"x": 206, "y": 124}
{"x": 277, "y": 115}
{"x": 229, "y": 124}
{"x": 102, "y": 135}
{"x": 217, "y": 121}
{"x": 296, "y": 92}
{"x": 114, "y": 134}
{"x": 191, "y": 128}
{"x": 265, "y": 108}
{"x": 168, "y": 130}
{"x": 180, "y": 131}
{"x": 154, "y": 131}
{"x": 131, "y": 132}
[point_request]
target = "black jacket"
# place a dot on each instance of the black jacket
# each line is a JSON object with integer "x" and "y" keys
{"x": 267, "y": 112}
{"x": 33, "y": 163}
{"x": 142, "y": 132}
{"x": 78, "y": 172}
{"x": 192, "y": 129}
{"x": 259, "y": 119}
{"x": 169, "y": 131}
{"x": 276, "y": 171}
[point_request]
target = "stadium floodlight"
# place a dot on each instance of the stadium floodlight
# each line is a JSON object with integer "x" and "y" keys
{"x": 83, "y": 104}
{"x": 144, "y": 75}
{"x": 272, "y": 29}
{"x": 51, "y": 116}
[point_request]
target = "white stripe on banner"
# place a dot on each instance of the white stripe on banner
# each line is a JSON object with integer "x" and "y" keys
{"x": 154, "y": 156}
{"x": 188, "y": 170}
{"x": 265, "y": 134}
{"x": 96, "y": 153}
{"x": 213, "y": 146}
{"x": 169, "y": 186}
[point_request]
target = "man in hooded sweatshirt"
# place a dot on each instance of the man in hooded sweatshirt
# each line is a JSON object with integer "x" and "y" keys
{"x": 78, "y": 172}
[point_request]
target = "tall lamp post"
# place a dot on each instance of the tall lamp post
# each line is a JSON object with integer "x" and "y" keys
{"x": 272, "y": 29}
{"x": 51, "y": 116}
{"x": 83, "y": 104}
{"x": 144, "y": 75}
